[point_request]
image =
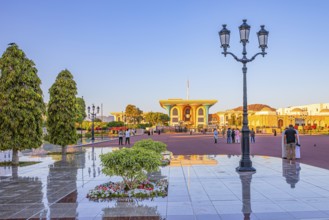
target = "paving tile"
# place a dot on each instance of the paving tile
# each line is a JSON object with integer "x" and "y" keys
{"x": 58, "y": 190}
{"x": 208, "y": 217}
{"x": 181, "y": 217}
{"x": 274, "y": 216}
{"x": 237, "y": 216}
{"x": 309, "y": 214}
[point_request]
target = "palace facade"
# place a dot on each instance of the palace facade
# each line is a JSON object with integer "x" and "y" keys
{"x": 188, "y": 113}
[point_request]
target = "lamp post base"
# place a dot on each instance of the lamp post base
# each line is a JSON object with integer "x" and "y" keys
{"x": 245, "y": 166}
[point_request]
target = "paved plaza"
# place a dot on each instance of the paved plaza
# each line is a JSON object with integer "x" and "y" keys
{"x": 201, "y": 185}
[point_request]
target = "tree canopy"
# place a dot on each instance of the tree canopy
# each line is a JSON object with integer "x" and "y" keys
{"x": 81, "y": 110}
{"x": 156, "y": 118}
{"x": 62, "y": 111}
{"x": 21, "y": 102}
{"x": 115, "y": 124}
{"x": 133, "y": 114}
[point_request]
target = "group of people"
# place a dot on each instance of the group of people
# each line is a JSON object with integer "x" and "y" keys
{"x": 232, "y": 135}
{"x": 125, "y": 134}
{"x": 290, "y": 143}
{"x": 150, "y": 132}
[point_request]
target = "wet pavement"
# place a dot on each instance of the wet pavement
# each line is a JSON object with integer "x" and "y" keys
{"x": 200, "y": 187}
{"x": 314, "y": 148}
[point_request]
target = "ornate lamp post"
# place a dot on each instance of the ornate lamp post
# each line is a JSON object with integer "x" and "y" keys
{"x": 92, "y": 115}
{"x": 224, "y": 35}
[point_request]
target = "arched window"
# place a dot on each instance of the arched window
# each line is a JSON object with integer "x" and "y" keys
{"x": 175, "y": 112}
{"x": 200, "y": 111}
{"x": 187, "y": 111}
{"x": 187, "y": 115}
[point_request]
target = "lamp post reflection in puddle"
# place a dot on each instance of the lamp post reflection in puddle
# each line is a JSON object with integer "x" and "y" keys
{"x": 245, "y": 178}
{"x": 92, "y": 156}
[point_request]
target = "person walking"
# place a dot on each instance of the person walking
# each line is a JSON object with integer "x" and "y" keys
{"x": 290, "y": 141}
{"x": 120, "y": 137}
{"x": 252, "y": 136}
{"x": 127, "y": 135}
{"x": 233, "y": 136}
{"x": 229, "y": 136}
{"x": 215, "y": 135}
{"x": 237, "y": 136}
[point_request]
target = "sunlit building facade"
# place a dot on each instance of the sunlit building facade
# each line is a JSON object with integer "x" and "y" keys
{"x": 264, "y": 118}
{"x": 189, "y": 113}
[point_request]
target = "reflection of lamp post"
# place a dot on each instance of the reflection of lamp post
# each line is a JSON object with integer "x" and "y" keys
{"x": 92, "y": 115}
{"x": 93, "y": 166}
{"x": 224, "y": 34}
{"x": 245, "y": 178}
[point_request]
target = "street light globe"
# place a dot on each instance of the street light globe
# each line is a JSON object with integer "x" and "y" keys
{"x": 244, "y": 31}
{"x": 262, "y": 37}
{"x": 224, "y": 36}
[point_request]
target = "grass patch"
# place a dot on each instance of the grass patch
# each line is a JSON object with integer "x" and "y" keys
{"x": 20, "y": 164}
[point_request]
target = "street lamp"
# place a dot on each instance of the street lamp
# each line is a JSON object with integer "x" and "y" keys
{"x": 224, "y": 36}
{"x": 92, "y": 115}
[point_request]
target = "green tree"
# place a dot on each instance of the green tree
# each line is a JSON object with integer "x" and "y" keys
{"x": 156, "y": 118}
{"x": 81, "y": 110}
{"x": 81, "y": 113}
{"x": 164, "y": 119}
{"x": 21, "y": 103}
{"x": 115, "y": 124}
{"x": 133, "y": 114}
{"x": 132, "y": 164}
{"x": 97, "y": 120}
{"x": 62, "y": 111}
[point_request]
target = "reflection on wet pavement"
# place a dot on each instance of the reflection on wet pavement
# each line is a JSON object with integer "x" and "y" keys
{"x": 200, "y": 187}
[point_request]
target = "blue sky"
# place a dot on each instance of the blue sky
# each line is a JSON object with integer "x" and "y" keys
{"x": 140, "y": 51}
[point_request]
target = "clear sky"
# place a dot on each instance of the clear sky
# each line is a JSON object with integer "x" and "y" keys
{"x": 141, "y": 51}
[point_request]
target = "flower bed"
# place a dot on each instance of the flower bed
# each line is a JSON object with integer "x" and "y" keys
{"x": 146, "y": 189}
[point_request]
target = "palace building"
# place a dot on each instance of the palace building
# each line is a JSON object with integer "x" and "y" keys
{"x": 188, "y": 113}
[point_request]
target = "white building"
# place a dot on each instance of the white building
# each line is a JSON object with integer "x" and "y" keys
{"x": 312, "y": 109}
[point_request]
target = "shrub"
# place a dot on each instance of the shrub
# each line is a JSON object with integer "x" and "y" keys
{"x": 149, "y": 144}
{"x": 132, "y": 164}
{"x": 46, "y": 137}
{"x": 88, "y": 135}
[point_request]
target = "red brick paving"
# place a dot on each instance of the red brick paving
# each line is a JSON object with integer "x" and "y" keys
{"x": 314, "y": 148}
